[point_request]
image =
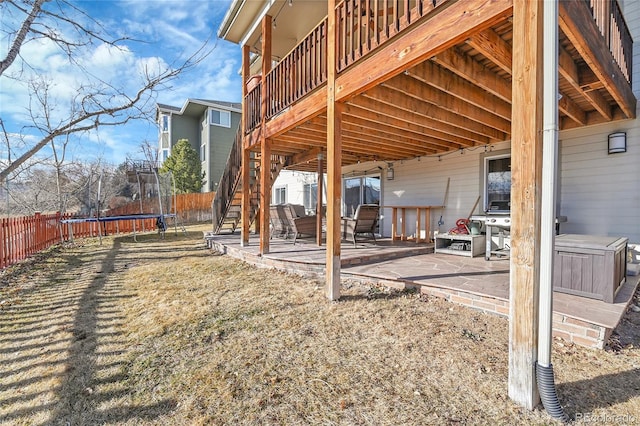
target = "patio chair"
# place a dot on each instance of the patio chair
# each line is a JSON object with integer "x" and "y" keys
{"x": 364, "y": 221}
{"x": 299, "y": 223}
{"x": 278, "y": 221}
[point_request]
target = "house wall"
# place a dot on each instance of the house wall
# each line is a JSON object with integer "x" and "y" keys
{"x": 185, "y": 127}
{"x": 294, "y": 183}
{"x": 423, "y": 182}
{"x": 220, "y": 143}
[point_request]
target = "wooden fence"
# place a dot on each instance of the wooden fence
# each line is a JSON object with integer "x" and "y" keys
{"x": 21, "y": 237}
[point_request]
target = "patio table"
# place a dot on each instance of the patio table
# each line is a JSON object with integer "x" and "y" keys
{"x": 403, "y": 215}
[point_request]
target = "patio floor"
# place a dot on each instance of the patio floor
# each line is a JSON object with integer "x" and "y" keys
{"x": 472, "y": 282}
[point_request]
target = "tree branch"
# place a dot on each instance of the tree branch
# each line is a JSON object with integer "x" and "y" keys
{"x": 12, "y": 54}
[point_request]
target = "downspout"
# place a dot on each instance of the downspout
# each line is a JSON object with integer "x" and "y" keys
{"x": 544, "y": 368}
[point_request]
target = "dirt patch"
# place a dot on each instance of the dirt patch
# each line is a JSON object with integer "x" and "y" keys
{"x": 168, "y": 332}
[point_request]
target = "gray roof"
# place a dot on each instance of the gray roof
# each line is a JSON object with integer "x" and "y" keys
{"x": 231, "y": 106}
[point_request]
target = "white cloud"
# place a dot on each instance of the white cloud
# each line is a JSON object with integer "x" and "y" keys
{"x": 161, "y": 33}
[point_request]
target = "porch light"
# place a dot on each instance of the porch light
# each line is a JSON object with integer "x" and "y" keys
{"x": 390, "y": 172}
{"x": 617, "y": 142}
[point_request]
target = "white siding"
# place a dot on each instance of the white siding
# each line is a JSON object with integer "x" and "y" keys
{"x": 422, "y": 182}
{"x": 600, "y": 193}
{"x": 294, "y": 182}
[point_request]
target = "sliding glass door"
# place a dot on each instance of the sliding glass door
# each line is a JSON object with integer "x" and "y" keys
{"x": 360, "y": 190}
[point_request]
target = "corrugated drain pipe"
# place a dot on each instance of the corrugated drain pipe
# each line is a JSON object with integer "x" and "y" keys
{"x": 544, "y": 368}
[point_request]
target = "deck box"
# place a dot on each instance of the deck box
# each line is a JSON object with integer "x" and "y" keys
{"x": 589, "y": 266}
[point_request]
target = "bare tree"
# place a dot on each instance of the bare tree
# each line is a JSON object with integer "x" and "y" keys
{"x": 149, "y": 151}
{"x": 96, "y": 102}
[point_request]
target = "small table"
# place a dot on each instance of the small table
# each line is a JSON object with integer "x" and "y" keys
{"x": 403, "y": 213}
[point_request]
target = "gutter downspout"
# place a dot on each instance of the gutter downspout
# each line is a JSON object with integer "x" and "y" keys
{"x": 544, "y": 368}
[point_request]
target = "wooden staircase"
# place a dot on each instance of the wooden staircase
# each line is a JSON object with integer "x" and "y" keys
{"x": 227, "y": 205}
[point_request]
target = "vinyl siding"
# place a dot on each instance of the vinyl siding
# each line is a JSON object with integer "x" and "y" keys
{"x": 220, "y": 143}
{"x": 423, "y": 182}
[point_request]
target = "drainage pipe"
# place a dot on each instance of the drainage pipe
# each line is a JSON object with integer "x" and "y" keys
{"x": 544, "y": 368}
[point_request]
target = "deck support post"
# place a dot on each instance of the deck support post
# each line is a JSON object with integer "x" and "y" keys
{"x": 265, "y": 143}
{"x": 245, "y": 215}
{"x": 334, "y": 162}
{"x": 526, "y": 184}
{"x": 319, "y": 200}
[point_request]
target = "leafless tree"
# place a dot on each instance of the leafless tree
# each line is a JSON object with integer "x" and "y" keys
{"x": 96, "y": 101}
{"x": 149, "y": 151}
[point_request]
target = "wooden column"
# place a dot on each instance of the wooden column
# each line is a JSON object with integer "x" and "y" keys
{"x": 265, "y": 144}
{"x": 334, "y": 163}
{"x": 526, "y": 180}
{"x": 319, "y": 200}
{"x": 245, "y": 170}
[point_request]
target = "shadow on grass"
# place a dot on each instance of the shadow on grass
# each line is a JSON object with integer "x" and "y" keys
{"x": 585, "y": 396}
{"x": 80, "y": 379}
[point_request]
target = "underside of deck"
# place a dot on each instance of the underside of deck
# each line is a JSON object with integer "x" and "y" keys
{"x": 472, "y": 282}
{"x": 442, "y": 83}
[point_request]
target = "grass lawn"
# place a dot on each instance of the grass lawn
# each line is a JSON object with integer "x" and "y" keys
{"x": 169, "y": 332}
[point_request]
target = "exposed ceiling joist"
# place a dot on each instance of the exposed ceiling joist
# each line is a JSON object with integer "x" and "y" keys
{"x": 477, "y": 74}
{"x": 493, "y": 47}
{"x": 430, "y": 73}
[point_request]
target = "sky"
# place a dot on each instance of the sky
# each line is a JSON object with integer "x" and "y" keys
{"x": 159, "y": 33}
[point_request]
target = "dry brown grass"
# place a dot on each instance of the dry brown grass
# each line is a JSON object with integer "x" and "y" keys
{"x": 167, "y": 332}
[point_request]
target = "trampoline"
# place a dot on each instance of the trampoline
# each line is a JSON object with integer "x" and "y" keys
{"x": 160, "y": 218}
{"x": 161, "y": 222}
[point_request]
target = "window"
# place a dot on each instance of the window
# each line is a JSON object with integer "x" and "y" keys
{"x": 310, "y": 196}
{"x": 497, "y": 183}
{"x": 360, "y": 190}
{"x": 220, "y": 118}
{"x": 203, "y": 152}
{"x": 165, "y": 123}
{"x": 280, "y": 195}
{"x": 165, "y": 154}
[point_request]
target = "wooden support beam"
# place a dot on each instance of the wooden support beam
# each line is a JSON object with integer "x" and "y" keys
{"x": 435, "y": 34}
{"x": 577, "y": 23}
{"x": 493, "y": 47}
{"x": 430, "y": 73}
{"x": 334, "y": 163}
{"x": 319, "y": 209}
{"x": 306, "y": 156}
{"x": 418, "y": 116}
{"x": 265, "y": 143}
{"x": 389, "y": 120}
{"x": 569, "y": 70}
{"x": 526, "y": 181}
{"x": 265, "y": 195}
{"x": 475, "y": 72}
{"x": 306, "y": 108}
{"x": 245, "y": 202}
{"x": 463, "y": 109}
{"x": 392, "y": 97}
{"x": 572, "y": 110}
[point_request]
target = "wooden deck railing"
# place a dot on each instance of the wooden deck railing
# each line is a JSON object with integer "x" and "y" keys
{"x": 228, "y": 183}
{"x": 363, "y": 25}
{"x": 298, "y": 73}
{"x": 252, "y": 111}
{"x": 614, "y": 29}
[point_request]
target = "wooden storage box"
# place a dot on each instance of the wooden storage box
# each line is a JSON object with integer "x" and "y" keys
{"x": 589, "y": 266}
